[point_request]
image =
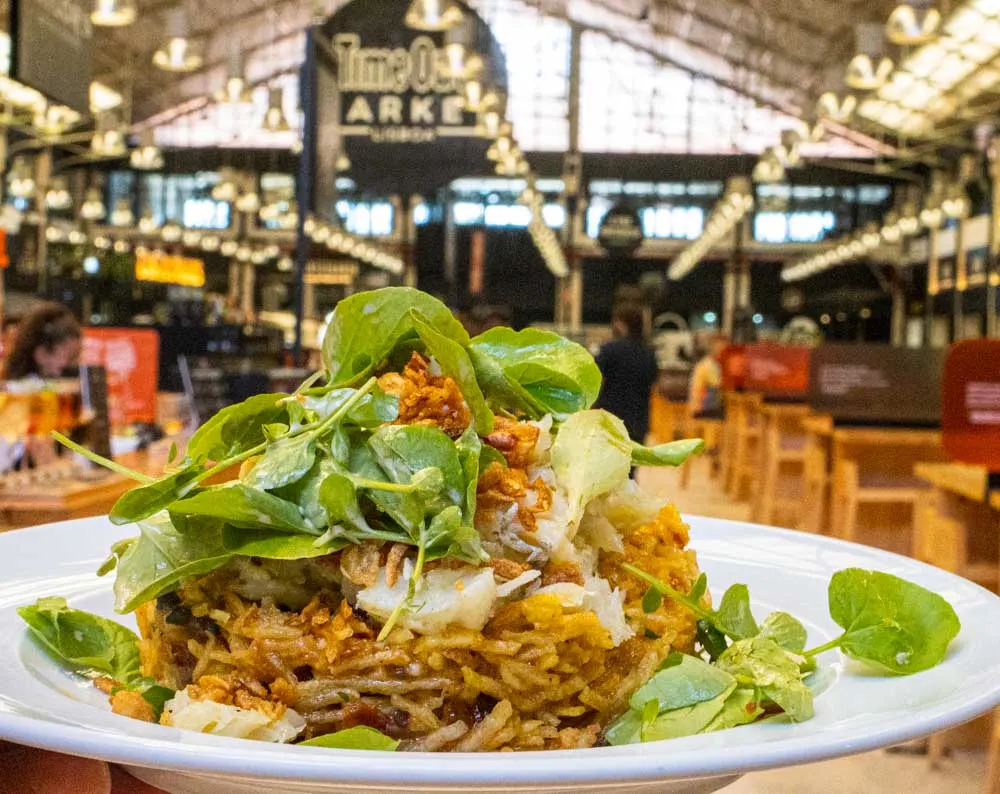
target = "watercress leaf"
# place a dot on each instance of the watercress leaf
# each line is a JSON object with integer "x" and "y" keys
{"x": 366, "y": 327}
{"x": 785, "y": 630}
{"x": 889, "y": 622}
{"x": 590, "y": 457}
{"x": 692, "y": 681}
{"x": 305, "y": 492}
{"x": 403, "y": 450}
{"x": 762, "y": 663}
{"x": 274, "y": 431}
{"x": 146, "y": 500}
{"x": 686, "y": 721}
{"x": 652, "y": 600}
{"x": 374, "y": 409}
{"x": 274, "y": 545}
{"x": 360, "y": 737}
{"x": 339, "y": 498}
{"x": 699, "y": 588}
{"x": 447, "y": 536}
{"x": 560, "y": 376}
{"x": 239, "y": 427}
{"x": 160, "y": 557}
{"x": 296, "y": 414}
{"x": 741, "y": 708}
{"x": 118, "y": 550}
{"x": 500, "y": 390}
{"x": 243, "y": 506}
{"x": 470, "y": 450}
{"x": 287, "y": 460}
{"x": 172, "y": 455}
{"x": 403, "y": 508}
{"x": 711, "y": 639}
{"x": 673, "y": 453}
{"x": 340, "y": 445}
{"x": 734, "y": 616}
{"x": 454, "y": 361}
{"x": 82, "y": 641}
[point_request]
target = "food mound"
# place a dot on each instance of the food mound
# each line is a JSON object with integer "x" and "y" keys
{"x": 430, "y": 543}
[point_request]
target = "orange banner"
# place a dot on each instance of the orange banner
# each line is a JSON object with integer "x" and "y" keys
{"x": 777, "y": 370}
{"x": 131, "y": 359}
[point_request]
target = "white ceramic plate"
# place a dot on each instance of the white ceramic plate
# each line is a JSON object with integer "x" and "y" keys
{"x": 41, "y": 705}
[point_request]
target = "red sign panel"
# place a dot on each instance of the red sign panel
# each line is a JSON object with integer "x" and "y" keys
{"x": 131, "y": 359}
{"x": 970, "y": 403}
{"x": 778, "y": 371}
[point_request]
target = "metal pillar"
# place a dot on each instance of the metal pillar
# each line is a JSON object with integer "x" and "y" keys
{"x": 728, "y": 297}
{"x": 933, "y": 263}
{"x": 249, "y": 281}
{"x": 897, "y": 328}
{"x": 572, "y": 176}
{"x": 233, "y": 293}
{"x": 43, "y": 175}
{"x": 961, "y": 282}
{"x": 450, "y": 252}
{"x": 992, "y": 265}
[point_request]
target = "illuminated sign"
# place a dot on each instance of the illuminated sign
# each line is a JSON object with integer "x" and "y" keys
{"x": 169, "y": 269}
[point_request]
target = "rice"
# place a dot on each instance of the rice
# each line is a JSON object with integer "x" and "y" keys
{"x": 538, "y": 674}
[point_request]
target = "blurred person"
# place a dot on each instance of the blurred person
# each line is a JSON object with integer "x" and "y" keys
{"x": 705, "y": 390}
{"x": 47, "y": 344}
{"x": 628, "y": 366}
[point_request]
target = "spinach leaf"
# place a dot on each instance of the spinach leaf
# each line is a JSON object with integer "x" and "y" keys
{"x": 502, "y": 391}
{"x": 470, "y": 451}
{"x": 366, "y": 327}
{"x": 360, "y": 737}
{"x": 242, "y": 506}
{"x": 305, "y": 491}
{"x": 559, "y": 376}
{"x": 626, "y": 729}
{"x": 673, "y": 453}
{"x": 682, "y": 684}
{"x": 741, "y": 708}
{"x": 686, "y": 721}
{"x": 287, "y": 460}
{"x": 888, "y": 622}
{"x": 83, "y": 641}
{"x": 590, "y": 457}
{"x": 274, "y": 545}
{"x": 144, "y": 501}
{"x": 760, "y": 662}
{"x": 454, "y": 361}
{"x": 239, "y": 427}
{"x": 785, "y": 630}
{"x": 161, "y": 557}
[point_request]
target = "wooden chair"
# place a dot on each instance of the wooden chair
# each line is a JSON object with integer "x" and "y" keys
{"x": 783, "y": 457}
{"x": 815, "y": 474}
{"x": 666, "y": 417}
{"x": 708, "y": 429}
{"x": 991, "y": 781}
{"x": 747, "y": 448}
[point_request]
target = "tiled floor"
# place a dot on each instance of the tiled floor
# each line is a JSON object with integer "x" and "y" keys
{"x": 873, "y": 773}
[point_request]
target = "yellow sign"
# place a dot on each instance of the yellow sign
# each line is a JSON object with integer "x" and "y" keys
{"x": 170, "y": 269}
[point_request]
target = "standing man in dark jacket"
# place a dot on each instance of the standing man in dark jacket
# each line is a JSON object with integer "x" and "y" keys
{"x": 628, "y": 366}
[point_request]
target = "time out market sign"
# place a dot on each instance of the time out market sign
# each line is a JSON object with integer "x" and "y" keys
{"x": 395, "y": 84}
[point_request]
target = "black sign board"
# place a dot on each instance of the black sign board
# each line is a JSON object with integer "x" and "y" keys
{"x": 620, "y": 233}
{"x": 51, "y": 49}
{"x": 399, "y": 98}
{"x": 877, "y": 384}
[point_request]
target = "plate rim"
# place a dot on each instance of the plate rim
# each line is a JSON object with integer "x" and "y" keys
{"x": 595, "y": 765}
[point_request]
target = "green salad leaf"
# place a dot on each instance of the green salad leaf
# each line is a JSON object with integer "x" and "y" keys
{"x": 360, "y": 737}
{"x": 91, "y": 645}
{"x": 244, "y": 506}
{"x": 682, "y": 681}
{"x": 454, "y": 360}
{"x": 673, "y": 453}
{"x": 590, "y": 456}
{"x": 404, "y": 450}
{"x": 470, "y": 456}
{"x": 785, "y": 630}
{"x": 144, "y": 501}
{"x": 286, "y": 461}
{"x": 366, "y": 327}
{"x": 535, "y": 371}
{"x": 375, "y": 408}
{"x": 686, "y": 721}
{"x": 742, "y": 707}
{"x": 888, "y": 622}
{"x": 762, "y": 663}
{"x": 239, "y": 427}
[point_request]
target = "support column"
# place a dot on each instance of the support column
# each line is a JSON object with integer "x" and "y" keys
{"x": 233, "y": 293}
{"x": 249, "y": 281}
{"x": 450, "y": 244}
{"x": 992, "y": 265}
{"x": 309, "y": 301}
{"x": 571, "y": 178}
{"x": 961, "y": 282}
{"x": 43, "y": 176}
{"x": 933, "y": 263}
{"x": 729, "y": 278}
{"x": 408, "y": 239}
{"x": 897, "y": 332}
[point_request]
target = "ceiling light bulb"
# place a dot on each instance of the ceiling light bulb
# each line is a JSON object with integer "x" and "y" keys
{"x": 178, "y": 53}
{"x": 932, "y": 217}
{"x": 171, "y": 232}
{"x": 229, "y": 247}
{"x": 57, "y": 197}
{"x": 249, "y": 202}
{"x": 432, "y": 15}
{"x": 285, "y": 264}
{"x": 148, "y": 157}
{"x": 473, "y": 95}
{"x": 864, "y": 75}
{"x": 343, "y": 162}
{"x": 210, "y": 243}
{"x": 225, "y": 189}
{"x": 832, "y": 107}
{"x": 22, "y": 181}
{"x": 908, "y": 26}
{"x": 93, "y": 208}
{"x": 274, "y": 117}
{"x": 113, "y": 13}
{"x": 191, "y": 238}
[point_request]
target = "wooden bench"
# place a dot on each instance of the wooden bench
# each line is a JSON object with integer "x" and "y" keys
{"x": 783, "y": 456}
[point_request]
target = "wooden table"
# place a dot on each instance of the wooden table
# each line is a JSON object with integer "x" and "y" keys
{"x": 956, "y": 526}
{"x": 31, "y": 500}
